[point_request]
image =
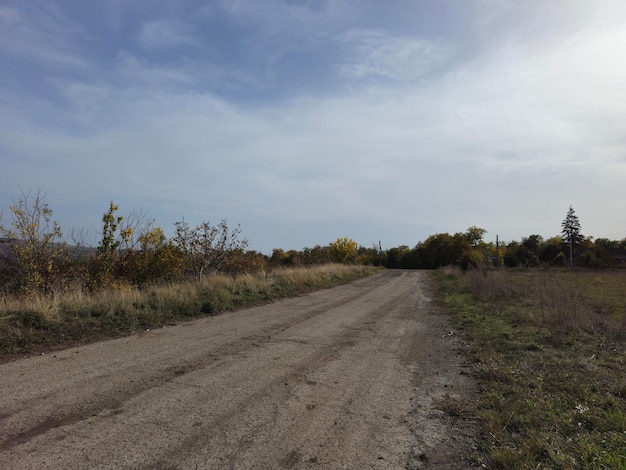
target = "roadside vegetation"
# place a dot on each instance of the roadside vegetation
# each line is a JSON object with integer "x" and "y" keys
{"x": 548, "y": 349}
{"x": 38, "y": 322}
{"x": 131, "y": 276}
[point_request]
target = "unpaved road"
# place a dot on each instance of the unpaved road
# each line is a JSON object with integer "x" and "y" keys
{"x": 342, "y": 378}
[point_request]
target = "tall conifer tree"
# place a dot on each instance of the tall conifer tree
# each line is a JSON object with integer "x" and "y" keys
{"x": 571, "y": 232}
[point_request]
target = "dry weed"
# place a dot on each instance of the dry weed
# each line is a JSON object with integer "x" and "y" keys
{"x": 80, "y": 315}
{"x": 555, "y": 300}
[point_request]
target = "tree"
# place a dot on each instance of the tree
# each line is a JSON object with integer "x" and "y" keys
{"x": 113, "y": 236}
{"x": 477, "y": 255}
{"x": 36, "y": 241}
{"x": 605, "y": 243}
{"x": 534, "y": 243}
{"x": 475, "y": 235}
{"x": 439, "y": 250}
{"x": 367, "y": 256}
{"x": 398, "y": 257}
{"x": 316, "y": 255}
{"x": 207, "y": 247}
{"x": 552, "y": 251}
{"x": 571, "y": 232}
{"x": 343, "y": 250}
{"x": 120, "y": 243}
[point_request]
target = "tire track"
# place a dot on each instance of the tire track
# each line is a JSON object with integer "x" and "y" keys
{"x": 324, "y": 380}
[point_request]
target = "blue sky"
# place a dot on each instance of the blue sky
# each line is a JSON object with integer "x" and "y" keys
{"x": 305, "y": 120}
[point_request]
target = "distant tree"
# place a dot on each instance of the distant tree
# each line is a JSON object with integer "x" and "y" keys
{"x": 496, "y": 252}
{"x": 604, "y": 251}
{"x": 246, "y": 262}
{"x": 512, "y": 254}
{"x": 397, "y": 257}
{"x": 291, "y": 258}
{"x": 278, "y": 258}
{"x": 530, "y": 249}
{"x": 606, "y": 243}
{"x": 367, "y": 256}
{"x": 439, "y": 250}
{"x": 343, "y": 250}
{"x": 571, "y": 232}
{"x": 552, "y": 251}
{"x": 534, "y": 243}
{"x": 475, "y": 235}
{"x": 316, "y": 255}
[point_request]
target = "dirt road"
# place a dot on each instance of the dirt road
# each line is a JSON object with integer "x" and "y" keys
{"x": 342, "y": 378}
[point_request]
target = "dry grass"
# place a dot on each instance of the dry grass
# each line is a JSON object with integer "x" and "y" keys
{"x": 548, "y": 351}
{"x": 28, "y": 324}
{"x": 580, "y": 302}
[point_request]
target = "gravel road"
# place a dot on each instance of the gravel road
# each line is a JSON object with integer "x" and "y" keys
{"x": 347, "y": 377}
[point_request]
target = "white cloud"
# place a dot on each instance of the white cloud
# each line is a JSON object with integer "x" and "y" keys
{"x": 489, "y": 145}
{"x": 506, "y": 141}
{"x": 378, "y": 54}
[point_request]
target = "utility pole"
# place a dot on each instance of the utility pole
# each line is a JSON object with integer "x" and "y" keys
{"x": 497, "y": 251}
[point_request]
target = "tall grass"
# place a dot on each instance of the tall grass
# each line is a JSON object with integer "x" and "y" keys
{"x": 548, "y": 351}
{"x": 578, "y": 302}
{"x": 30, "y": 323}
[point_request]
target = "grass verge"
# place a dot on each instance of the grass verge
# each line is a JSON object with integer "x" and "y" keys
{"x": 35, "y": 324}
{"x": 548, "y": 351}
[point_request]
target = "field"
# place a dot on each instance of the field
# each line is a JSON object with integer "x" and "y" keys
{"x": 548, "y": 349}
{"x": 34, "y": 324}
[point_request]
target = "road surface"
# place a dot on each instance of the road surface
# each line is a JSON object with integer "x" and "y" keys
{"x": 347, "y": 377}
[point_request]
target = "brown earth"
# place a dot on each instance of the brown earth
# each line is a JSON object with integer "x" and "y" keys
{"x": 351, "y": 377}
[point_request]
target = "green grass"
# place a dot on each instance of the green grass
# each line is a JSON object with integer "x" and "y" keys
{"x": 548, "y": 351}
{"x": 37, "y": 323}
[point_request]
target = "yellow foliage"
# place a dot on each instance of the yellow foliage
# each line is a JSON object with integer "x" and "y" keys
{"x": 343, "y": 250}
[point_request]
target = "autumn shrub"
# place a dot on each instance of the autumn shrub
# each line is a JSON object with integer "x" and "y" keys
{"x": 34, "y": 249}
{"x": 343, "y": 250}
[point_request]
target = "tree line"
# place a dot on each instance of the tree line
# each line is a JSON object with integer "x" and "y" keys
{"x": 132, "y": 250}
{"x": 469, "y": 250}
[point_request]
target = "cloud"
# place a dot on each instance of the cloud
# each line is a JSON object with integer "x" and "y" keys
{"x": 378, "y": 54}
{"x": 132, "y": 71}
{"x": 280, "y": 17}
{"x": 164, "y": 34}
{"x": 506, "y": 139}
{"x": 507, "y": 133}
{"x": 41, "y": 35}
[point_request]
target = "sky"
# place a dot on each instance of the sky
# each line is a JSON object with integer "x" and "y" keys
{"x": 308, "y": 120}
